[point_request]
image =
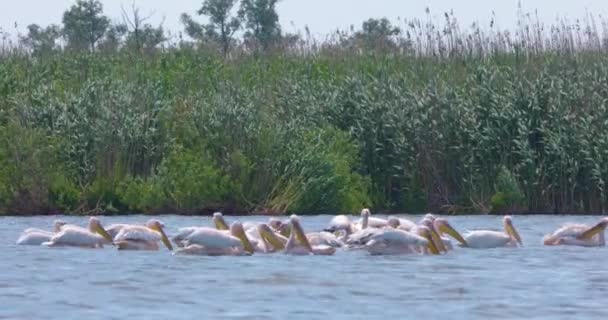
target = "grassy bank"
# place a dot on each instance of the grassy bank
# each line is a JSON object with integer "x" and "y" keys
{"x": 185, "y": 130}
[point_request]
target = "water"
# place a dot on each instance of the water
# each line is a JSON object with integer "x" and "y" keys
{"x": 534, "y": 282}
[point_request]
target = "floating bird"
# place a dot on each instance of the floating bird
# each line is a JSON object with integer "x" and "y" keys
{"x": 395, "y": 241}
{"x": 209, "y": 241}
{"x": 75, "y": 236}
{"x": 578, "y": 235}
{"x": 35, "y": 236}
{"x": 483, "y": 239}
{"x": 135, "y": 237}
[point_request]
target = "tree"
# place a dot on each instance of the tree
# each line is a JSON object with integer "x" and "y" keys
{"x": 192, "y": 28}
{"x": 114, "y": 38}
{"x": 261, "y": 21}
{"x": 141, "y": 35}
{"x": 84, "y": 24}
{"x": 377, "y": 34}
{"x": 222, "y": 25}
{"x": 41, "y": 40}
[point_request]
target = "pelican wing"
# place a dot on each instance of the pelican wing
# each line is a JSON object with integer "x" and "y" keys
{"x": 487, "y": 239}
{"x": 212, "y": 238}
{"x": 71, "y": 235}
{"x": 137, "y": 233}
{"x": 34, "y": 238}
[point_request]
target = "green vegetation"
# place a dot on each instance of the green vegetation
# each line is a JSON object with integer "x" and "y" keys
{"x": 411, "y": 118}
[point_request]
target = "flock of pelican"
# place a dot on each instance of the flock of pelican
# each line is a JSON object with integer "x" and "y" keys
{"x": 431, "y": 235}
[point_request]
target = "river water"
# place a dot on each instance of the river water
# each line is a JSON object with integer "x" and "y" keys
{"x": 533, "y": 282}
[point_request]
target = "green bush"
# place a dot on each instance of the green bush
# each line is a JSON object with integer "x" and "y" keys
{"x": 191, "y": 180}
{"x": 508, "y": 194}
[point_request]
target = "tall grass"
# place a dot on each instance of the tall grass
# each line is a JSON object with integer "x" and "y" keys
{"x": 443, "y": 119}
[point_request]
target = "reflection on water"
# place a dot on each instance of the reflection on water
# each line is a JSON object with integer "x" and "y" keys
{"x": 534, "y": 282}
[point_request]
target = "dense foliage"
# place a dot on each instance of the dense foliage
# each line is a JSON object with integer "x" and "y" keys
{"x": 452, "y": 123}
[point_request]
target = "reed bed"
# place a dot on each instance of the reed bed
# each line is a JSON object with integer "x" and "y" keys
{"x": 438, "y": 118}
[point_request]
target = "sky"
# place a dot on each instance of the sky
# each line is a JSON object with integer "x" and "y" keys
{"x": 321, "y": 16}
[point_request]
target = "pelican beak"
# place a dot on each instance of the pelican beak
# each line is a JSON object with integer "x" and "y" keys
{"x": 102, "y": 232}
{"x": 513, "y": 233}
{"x": 163, "y": 237}
{"x": 300, "y": 235}
{"x": 247, "y": 246}
{"x": 426, "y": 233}
{"x": 220, "y": 223}
{"x": 437, "y": 240}
{"x": 596, "y": 229}
{"x": 270, "y": 237}
{"x": 446, "y": 228}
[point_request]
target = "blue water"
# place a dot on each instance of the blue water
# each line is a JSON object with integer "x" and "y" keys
{"x": 534, "y": 282}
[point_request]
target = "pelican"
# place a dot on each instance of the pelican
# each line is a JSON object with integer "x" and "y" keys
{"x": 134, "y": 237}
{"x": 209, "y": 241}
{"x": 75, "y": 236}
{"x": 404, "y": 224}
{"x": 483, "y": 239}
{"x": 298, "y": 243}
{"x": 578, "y": 235}
{"x": 368, "y": 221}
{"x": 35, "y": 237}
{"x": 396, "y": 241}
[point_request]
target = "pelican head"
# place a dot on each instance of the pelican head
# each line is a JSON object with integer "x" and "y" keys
{"x": 237, "y": 230}
{"x": 275, "y": 224}
{"x": 365, "y": 213}
{"x": 159, "y": 227}
{"x": 426, "y": 233}
{"x": 438, "y": 242}
{"x": 296, "y": 227}
{"x": 596, "y": 229}
{"x": 218, "y": 220}
{"x": 429, "y": 216}
{"x": 510, "y": 229}
{"x": 58, "y": 224}
{"x": 285, "y": 228}
{"x": 268, "y": 235}
{"x": 443, "y": 226}
{"x": 96, "y": 227}
{"x": 393, "y": 222}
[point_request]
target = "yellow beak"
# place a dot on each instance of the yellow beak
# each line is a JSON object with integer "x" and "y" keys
{"x": 247, "y": 246}
{"x": 591, "y": 232}
{"x": 220, "y": 223}
{"x": 447, "y": 229}
{"x": 270, "y": 237}
{"x": 300, "y": 235}
{"x": 163, "y": 237}
{"x": 510, "y": 229}
{"x": 428, "y": 236}
{"x": 437, "y": 240}
{"x": 102, "y": 232}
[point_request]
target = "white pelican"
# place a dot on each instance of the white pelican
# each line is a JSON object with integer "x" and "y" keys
{"x": 368, "y": 221}
{"x": 578, "y": 235}
{"x": 483, "y": 239}
{"x": 134, "y": 237}
{"x": 395, "y": 241}
{"x": 298, "y": 243}
{"x": 209, "y": 241}
{"x": 340, "y": 223}
{"x": 35, "y": 237}
{"x": 404, "y": 224}
{"x": 75, "y": 236}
